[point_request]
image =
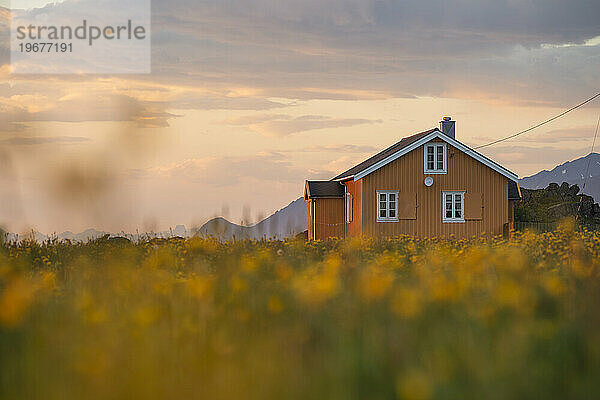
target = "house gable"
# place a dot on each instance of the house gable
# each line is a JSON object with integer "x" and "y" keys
{"x": 435, "y": 134}
{"x": 423, "y": 214}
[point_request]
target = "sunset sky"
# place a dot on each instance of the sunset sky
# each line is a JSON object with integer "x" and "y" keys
{"x": 248, "y": 98}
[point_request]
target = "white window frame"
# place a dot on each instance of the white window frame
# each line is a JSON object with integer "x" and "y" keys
{"x": 462, "y": 206}
{"x": 387, "y": 218}
{"x": 435, "y": 170}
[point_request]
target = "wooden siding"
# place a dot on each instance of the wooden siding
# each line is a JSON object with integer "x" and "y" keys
{"x": 354, "y": 228}
{"x": 474, "y": 204}
{"x": 407, "y": 205}
{"x": 463, "y": 174}
{"x": 329, "y": 217}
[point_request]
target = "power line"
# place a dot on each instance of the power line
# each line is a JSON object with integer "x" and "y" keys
{"x": 540, "y": 124}
{"x": 587, "y": 170}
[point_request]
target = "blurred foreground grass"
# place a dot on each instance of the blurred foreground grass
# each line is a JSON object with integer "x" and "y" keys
{"x": 356, "y": 319}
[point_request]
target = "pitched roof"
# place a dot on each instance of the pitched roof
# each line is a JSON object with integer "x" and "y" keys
{"x": 323, "y": 189}
{"x": 382, "y": 155}
{"x": 412, "y": 142}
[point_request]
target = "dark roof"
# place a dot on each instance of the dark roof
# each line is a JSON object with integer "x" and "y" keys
{"x": 323, "y": 189}
{"x": 383, "y": 154}
{"x": 514, "y": 191}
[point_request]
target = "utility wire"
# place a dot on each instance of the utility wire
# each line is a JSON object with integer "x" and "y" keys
{"x": 587, "y": 170}
{"x": 540, "y": 124}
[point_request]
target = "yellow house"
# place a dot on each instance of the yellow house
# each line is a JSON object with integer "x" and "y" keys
{"x": 426, "y": 185}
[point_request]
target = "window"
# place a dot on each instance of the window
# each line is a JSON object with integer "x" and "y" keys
{"x": 435, "y": 158}
{"x": 387, "y": 206}
{"x": 348, "y": 207}
{"x": 453, "y": 205}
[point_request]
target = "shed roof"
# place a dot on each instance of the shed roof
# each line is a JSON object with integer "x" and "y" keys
{"x": 323, "y": 189}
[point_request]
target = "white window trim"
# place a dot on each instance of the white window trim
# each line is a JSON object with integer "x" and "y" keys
{"x": 387, "y": 219}
{"x": 462, "y": 205}
{"x": 435, "y": 171}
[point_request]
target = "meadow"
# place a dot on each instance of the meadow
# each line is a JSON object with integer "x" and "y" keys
{"x": 484, "y": 318}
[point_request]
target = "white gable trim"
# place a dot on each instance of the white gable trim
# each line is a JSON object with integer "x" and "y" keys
{"x": 433, "y": 135}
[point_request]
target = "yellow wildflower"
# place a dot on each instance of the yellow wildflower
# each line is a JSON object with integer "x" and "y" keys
{"x": 554, "y": 285}
{"x": 407, "y": 302}
{"x": 15, "y": 300}
{"x": 374, "y": 283}
{"x": 414, "y": 385}
{"x": 238, "y": 285}
{"x": 249, "y": 264}
{"x": 275, "y": 305}
{"x": 200, "y": 287}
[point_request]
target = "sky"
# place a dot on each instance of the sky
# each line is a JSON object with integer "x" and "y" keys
{"x": 25, "y": 4}
{"x": 247, "y": 99}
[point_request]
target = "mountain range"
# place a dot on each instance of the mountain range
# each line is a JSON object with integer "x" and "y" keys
{"x": 572, "y": 172}
{"x": 287, "y": 222}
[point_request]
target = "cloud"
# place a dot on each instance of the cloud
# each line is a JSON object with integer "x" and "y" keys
{"x": 344, "y": 24}
{"x": 255, "y": 119}
{"x": 10, "y": 118}
{"x": 345, "y": 49}
{"x": 285, "y": 127}
{"x": 105, "y": 107}
{"x": 508, "y": 52}
{"x": 563, "y": 135}
{"x": 32, "y": 141}
{"x": 225, "y": 103}
{"x": 576, "y": 134}
{"x": 533, "y": 155}
{"x": 25, "y": 104}
{"x": 343, "y": 148}
{"x": 265, "y": 168}
{"x": 230, "y": 171}
{"x": 4, "y": 36}
{"x": 279, "y": 125}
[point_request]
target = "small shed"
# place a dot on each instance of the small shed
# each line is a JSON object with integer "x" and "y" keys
{"x": 325, "y": 209}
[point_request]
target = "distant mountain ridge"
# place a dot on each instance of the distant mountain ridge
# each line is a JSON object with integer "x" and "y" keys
{"x": 88, "y": 234}
{"x": 287, "y": 222}
{"x": 572, "y": 172}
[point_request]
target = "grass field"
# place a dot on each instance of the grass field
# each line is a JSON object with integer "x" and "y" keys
{"x": 356, "y": 319}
